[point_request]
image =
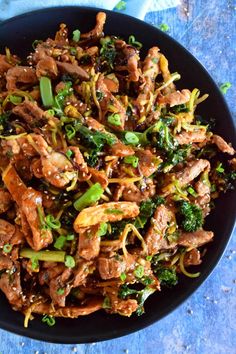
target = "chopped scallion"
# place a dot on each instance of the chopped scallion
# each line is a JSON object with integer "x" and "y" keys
{"x": 123, "y": 276}
{"x": 52, "y": 223}
{"x": 131, "y": 138}
{"x": 46, "y": 91}
{"x": 49, "y": 320}
{"x": 69, "y": 262}
{"x": 103, "y": 229}
{"x": 91, "y": 196}
{"x": 60, "y": 242}
{"x": 132, "y": 160}
{"x": 76, "y": 35}
{"x": 121, "y": 6}
{"x": 7, "y": 248}
{"x": 224, "y": 87}
{"x": 114, "y": 119}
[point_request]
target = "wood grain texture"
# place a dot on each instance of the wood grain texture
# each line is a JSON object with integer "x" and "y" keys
{"x": 206, "y": 322}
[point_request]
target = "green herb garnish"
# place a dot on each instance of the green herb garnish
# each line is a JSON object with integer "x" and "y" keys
{"x": 76, "y": 35}
{"x": 224, "y": 87}
{"x": 49, "y": 320}
{"x": 121, "y": 5}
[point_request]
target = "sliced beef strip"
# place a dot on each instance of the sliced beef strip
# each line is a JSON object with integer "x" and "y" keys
{"x": 105, "y": 213}
{"x": 31, "y": 203}
{"x": 47, "y": 67}
{"x": 99, "y": 177}
{"x": 185, "y": 137}
{"x": 121, "y": 150}
{"x": 31, "y": 113}
{"x": 60, "y": 287}
{"x": 192, "y": 257}
{"x": 155, "y": 235}
{"x": 132, "y": 193}
{"x": 88, "y": 307}
{"x": 4, "y": 65}
{"x": 175, "y": 98}
{"x": 111, "y": 267}
{"x": 89, "y": 242}
{"x": 222, "y": 145}
{"x": 5, "y": 200}
{"x": 11, "y": 286}
{"x": 20, "y": 75}
{"x": 73, "y": 70}
{"x": 7, "y": 230}
{"x": 196, "y": 239}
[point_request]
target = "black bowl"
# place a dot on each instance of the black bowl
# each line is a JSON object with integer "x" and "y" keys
{"x": 18, "y": 34}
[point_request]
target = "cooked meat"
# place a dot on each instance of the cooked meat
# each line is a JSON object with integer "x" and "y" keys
{"x": 105, "y": 102}
{"x": 89, "y": 242}
{"x": 131, "y": 57}
{"x": 97, "y": 31}
{"x": 73, "y": 70}
{"x": 202, "y": 188}
{"x": 111, "y": 267}
{"x": 14, "y": 184}
{"x": 60, "y": 287}
{"x": 123, "y": 307}
{"x": 33, "y": 211}
{"x": 148, "y": 162}
{"x": 7, "y": 230}
{"x": 192, "y": 257}
{"x": 99, "y": 177}
{"x": 175, "y": 98}
{"x": 5, "y": 200}
{"x": 188, "y": 174}
{"x": 132, "y": 193}
{"x": 5, "y": 263}
{"x": 20, "y": 75}
{"x": 81, "y": 271}
{"x": 186, "y": 137}
{"x": 107, "y": 212}
{"x": 4, "y": 65}
{"x": 90, "y": 306}
{"x": 11, "y": 286}
{"x": 121, "y": 150}
{"x": 196, "y": 239}
{"x": 47, "y": 67}
{"x": 155, "y": 235}
{"x": 222, "y": 145}
{"x": 30, "y": 112}
{"x": 47, "y": 274}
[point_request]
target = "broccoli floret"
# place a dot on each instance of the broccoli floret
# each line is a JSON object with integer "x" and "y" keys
{"x": 166, "y": 276}
{"x": 140, "y": 295}
{"x": 125, "y": 291}
{"x": 191, "y": 216}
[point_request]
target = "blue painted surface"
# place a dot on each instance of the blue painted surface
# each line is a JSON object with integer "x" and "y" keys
{"x": 206, "y": 322}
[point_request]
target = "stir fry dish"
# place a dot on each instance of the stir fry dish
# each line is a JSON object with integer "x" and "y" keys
{"x": 107, "y": 175}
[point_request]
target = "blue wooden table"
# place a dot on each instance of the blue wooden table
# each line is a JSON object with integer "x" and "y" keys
{"x": 206, "y": 322}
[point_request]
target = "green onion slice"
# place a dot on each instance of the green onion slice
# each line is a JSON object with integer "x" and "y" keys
{"x": 47, "y": 256}
{"x": 46, "y": 91}
{"x": 76, "y": 35}
{"x": 91, "y": 196}
{"x": 114, "y": 119}
{"x": 52, "y": 223}
{"x": 69, "y": 262}
{"x": 7, "y": 248}
{"x": 132, "y": 160}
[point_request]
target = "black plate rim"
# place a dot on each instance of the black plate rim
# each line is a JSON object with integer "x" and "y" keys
{"x": 205, "y": 274}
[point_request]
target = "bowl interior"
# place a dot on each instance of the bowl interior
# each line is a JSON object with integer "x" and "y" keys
{"x": 18, "y": 34}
